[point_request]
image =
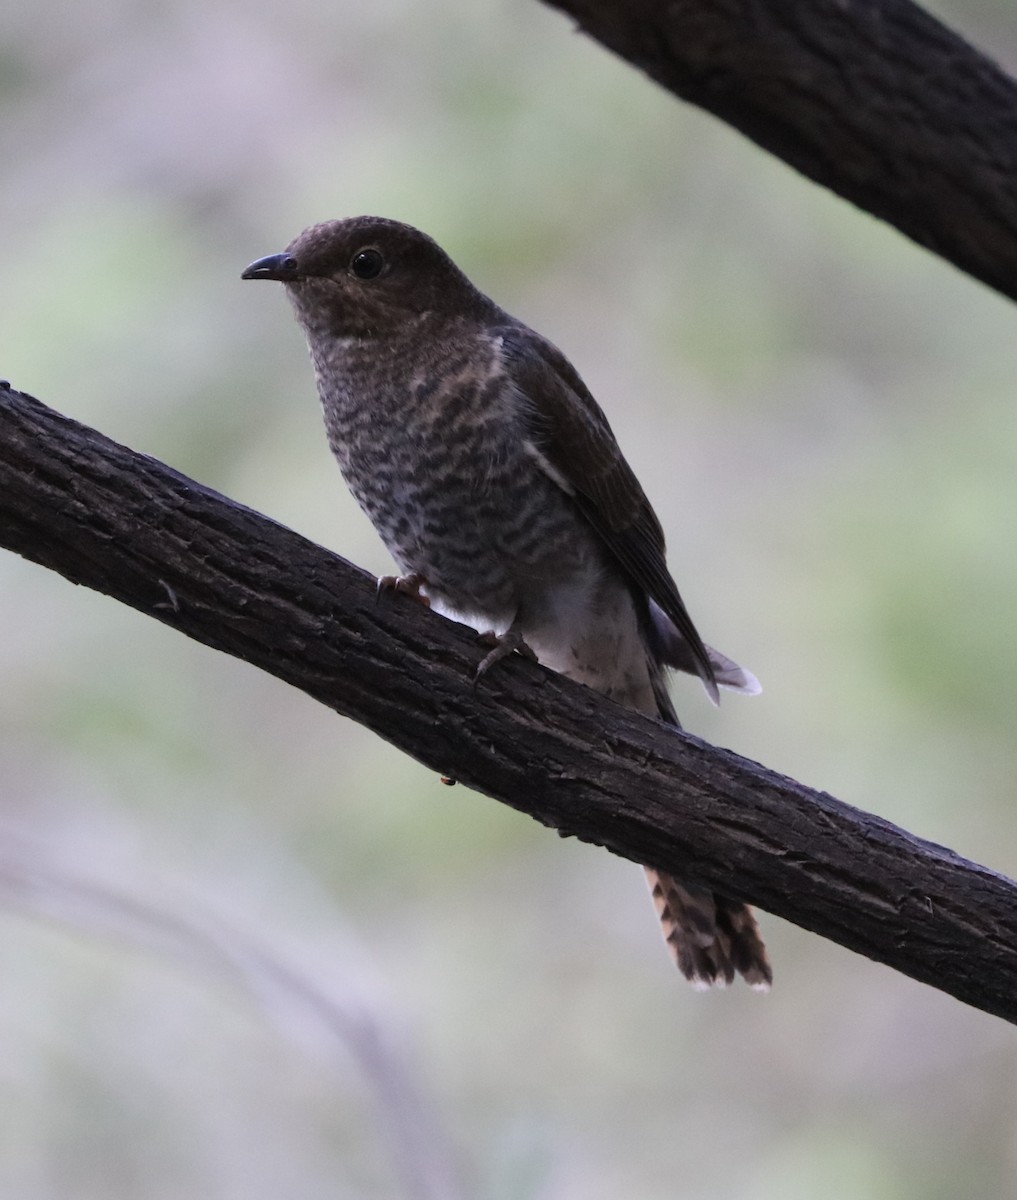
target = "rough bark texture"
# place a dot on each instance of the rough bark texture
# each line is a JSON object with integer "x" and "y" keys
{"x": 131, "y": 527}
{"x": 874, "y": 99}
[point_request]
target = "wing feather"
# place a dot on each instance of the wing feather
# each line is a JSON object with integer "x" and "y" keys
{"x": 570, "y": 431}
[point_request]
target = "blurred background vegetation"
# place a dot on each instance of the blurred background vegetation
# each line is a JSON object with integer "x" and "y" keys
{"x": 249, "y": 950}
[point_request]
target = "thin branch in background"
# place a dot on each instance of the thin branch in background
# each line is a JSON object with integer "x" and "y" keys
{"x": 304, "y": 1001}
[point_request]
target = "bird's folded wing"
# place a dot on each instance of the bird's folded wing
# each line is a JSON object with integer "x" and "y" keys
{"x": 572, "y": 438}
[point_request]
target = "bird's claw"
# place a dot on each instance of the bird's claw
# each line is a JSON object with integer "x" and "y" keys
{"x": 502, "y": 645}
{"x": 408, "y": 585}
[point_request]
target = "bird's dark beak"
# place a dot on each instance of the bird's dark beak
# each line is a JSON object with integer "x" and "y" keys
{"x": 277, "y": 266}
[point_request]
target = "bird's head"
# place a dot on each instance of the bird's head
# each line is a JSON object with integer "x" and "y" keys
{"x": 367, "y": 276}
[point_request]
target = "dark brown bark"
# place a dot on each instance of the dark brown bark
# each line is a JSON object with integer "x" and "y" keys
{"x": 874, "y": 99}
{"x": 131, "y": 527}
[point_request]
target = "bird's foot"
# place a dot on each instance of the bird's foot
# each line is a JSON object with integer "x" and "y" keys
{"x": 409, "y": 585}
{"x": 502, "y": 645}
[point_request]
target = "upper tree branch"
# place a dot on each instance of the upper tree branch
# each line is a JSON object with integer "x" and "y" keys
{"x": 874, "y": 99}
{"x": 131, "y": 527}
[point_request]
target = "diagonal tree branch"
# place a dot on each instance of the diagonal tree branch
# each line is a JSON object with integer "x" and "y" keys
{"x": 124, "y": 524}
{"x": 874, "y": 99}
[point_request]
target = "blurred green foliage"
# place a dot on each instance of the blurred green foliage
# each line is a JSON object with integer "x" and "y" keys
{"x": 823, "y": 415}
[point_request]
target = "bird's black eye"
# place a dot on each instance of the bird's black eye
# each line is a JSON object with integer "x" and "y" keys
{"x": 367, "y": 264}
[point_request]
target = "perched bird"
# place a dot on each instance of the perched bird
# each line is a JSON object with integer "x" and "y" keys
{"x": 495, "y": 481}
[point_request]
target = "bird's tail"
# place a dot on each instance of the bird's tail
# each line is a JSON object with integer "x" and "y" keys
{"x": 710, "y": 938}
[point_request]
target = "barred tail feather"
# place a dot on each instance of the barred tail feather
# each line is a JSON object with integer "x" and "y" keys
{"x": 710, "y": 938}
{"x": 737, "y": 922}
